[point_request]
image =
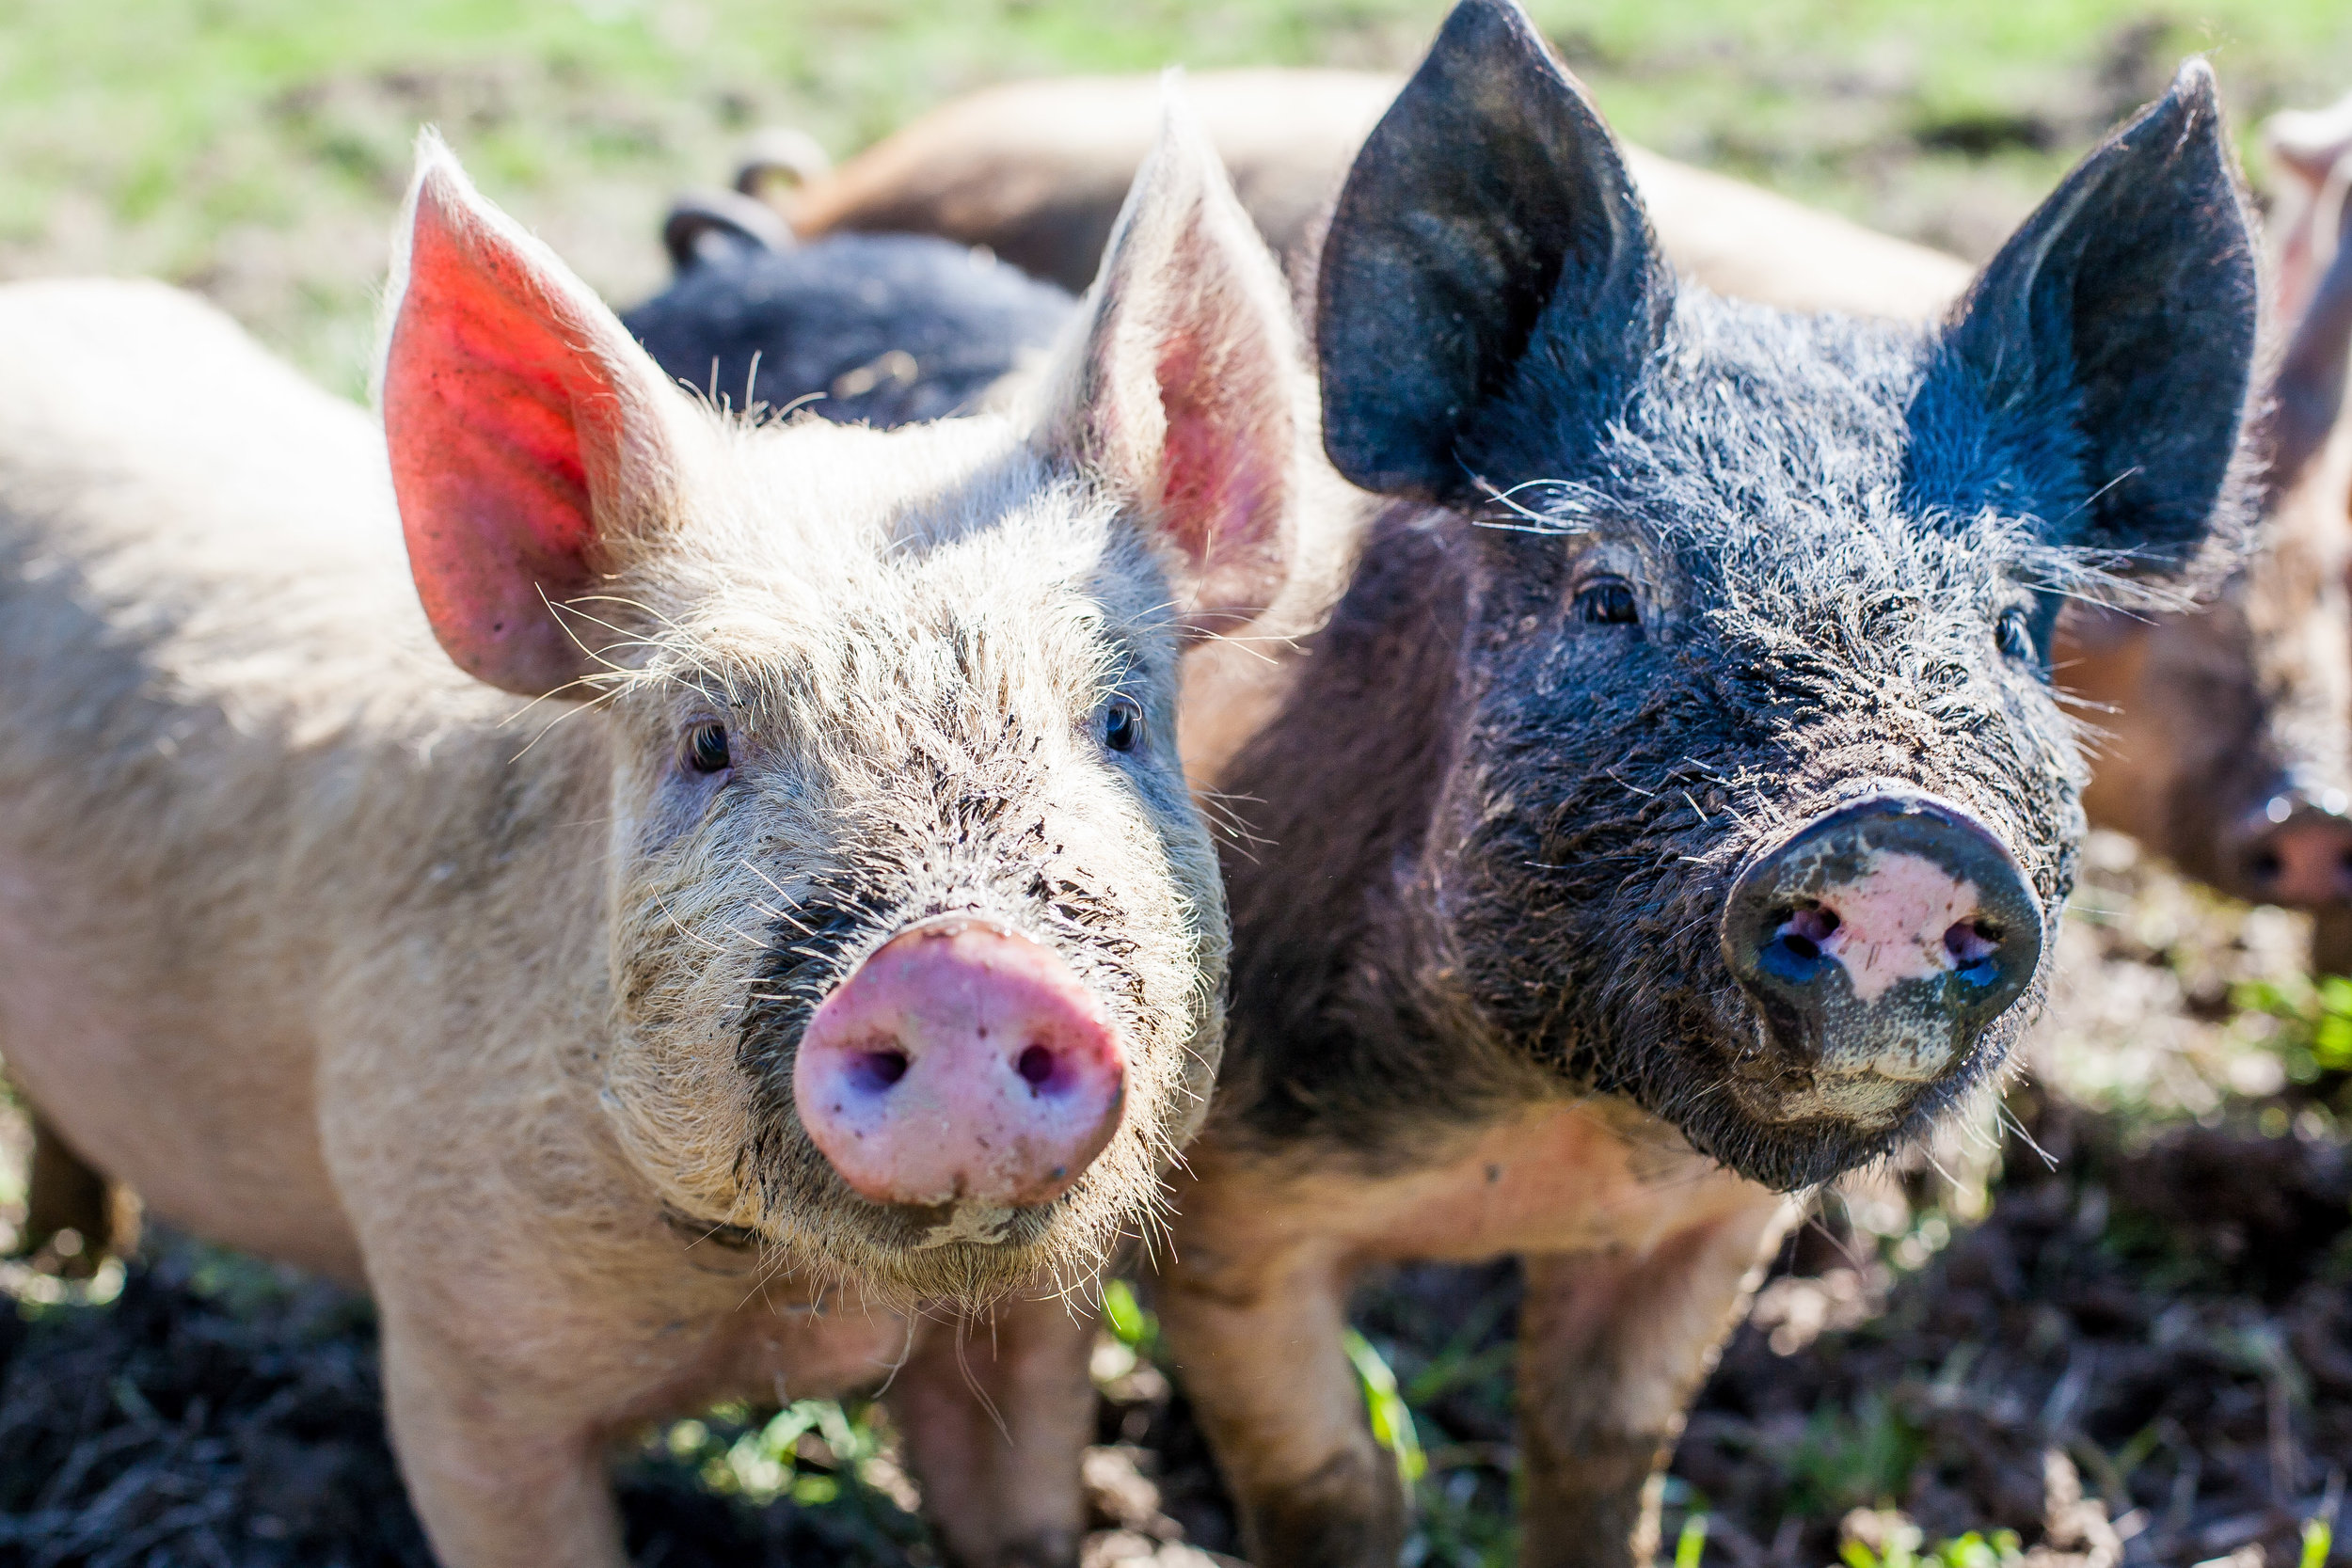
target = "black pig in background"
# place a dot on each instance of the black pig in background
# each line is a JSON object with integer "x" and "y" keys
{"x": 880, "y": 329}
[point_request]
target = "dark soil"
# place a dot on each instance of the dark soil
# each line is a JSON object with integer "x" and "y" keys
{"x": 185, "y": 1424}
{"x": 2174, "y": 1320}
{"x": 2170, "y": 1321}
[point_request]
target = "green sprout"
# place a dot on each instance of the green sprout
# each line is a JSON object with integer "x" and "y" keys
{"x": 2318, "y": 1018}
{"x": 1391, "y": 1417}
{"x": 2001, "y": 1549}
{"x": 1129, "y": 1323}
{"x": 2319, "y": 1537}
{"x": 1690, "y": 1542}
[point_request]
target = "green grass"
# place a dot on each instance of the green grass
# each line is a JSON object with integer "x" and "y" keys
{"x": 1904, "y": 1549}
{"x": 255, "y": 149}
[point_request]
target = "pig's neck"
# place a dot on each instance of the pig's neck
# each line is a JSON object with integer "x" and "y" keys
{"x": 1336, "y": 1035}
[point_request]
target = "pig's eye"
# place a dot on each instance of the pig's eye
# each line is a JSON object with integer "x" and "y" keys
{"x": 1123, "y": 723}
{"x": 706, "y": 748}
{"x": 1607, "y": 602}
{"x": 2016, "y": 632}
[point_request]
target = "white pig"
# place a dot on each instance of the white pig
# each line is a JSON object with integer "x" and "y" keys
{"x": 774, "y": 905}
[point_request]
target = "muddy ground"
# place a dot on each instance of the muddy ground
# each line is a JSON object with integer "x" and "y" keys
{"x": 2123, "y": 1335}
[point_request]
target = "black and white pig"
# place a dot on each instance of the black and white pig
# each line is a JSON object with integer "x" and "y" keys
{"x": 1671, "y": 815}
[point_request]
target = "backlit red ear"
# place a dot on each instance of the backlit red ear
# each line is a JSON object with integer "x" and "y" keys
{"x": 1186, "y": 389}
{"x": 526, "y": 430}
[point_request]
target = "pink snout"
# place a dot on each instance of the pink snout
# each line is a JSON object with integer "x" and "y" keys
{"x": 1884, "y": 936}
{"x": 960, "y": 1062}
{"x": 2304, "y": 860}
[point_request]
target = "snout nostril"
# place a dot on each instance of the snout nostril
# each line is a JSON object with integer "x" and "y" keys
{"x": 1035, "y": 1066}
{"x": 1816, "y": 923}
{"x": 1971, "y": 943}
{"x": 2265, "y": 865}
{"x": 1802, "y": 930}
{"x": 960, "y": 1063}
{"x": 1883, "y": 937}
{"x": 877, "y": 1071}
{"x": 1794, "y": 949}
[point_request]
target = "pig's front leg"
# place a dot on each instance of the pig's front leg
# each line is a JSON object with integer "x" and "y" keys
{"x": 1611, "y": 1348}
{"x": 997, "y": 1412}
{"x": 1256, "y": 1338}
{"x": 64, "y": 1193}
{"x": 503, "y": 1474}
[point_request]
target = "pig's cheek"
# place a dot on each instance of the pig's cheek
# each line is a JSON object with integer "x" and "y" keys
{"x": 679, "y": 805}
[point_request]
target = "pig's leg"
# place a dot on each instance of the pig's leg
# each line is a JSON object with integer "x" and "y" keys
{"x": 1612, "y": 1349}
{"x": 1257, "y": 1342}
{"x": 2331, "y": 940}
{"x": 62, "y": 1192}
{"x": 503, "y": 1474}
{"x": 1009, "y": 1495}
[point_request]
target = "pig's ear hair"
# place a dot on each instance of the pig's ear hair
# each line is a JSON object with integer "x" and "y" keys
{"x": 2308, "y": 392}
{"x": 2097, "y": 375}
{"x": 1183, "y": 385}
{"x": 530, "y": 438}
{"x": 1488, "y": 268}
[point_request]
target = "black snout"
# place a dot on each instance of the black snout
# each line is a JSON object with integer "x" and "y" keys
{"x": 2299, "y": 853}
{"x": 1883, "y": 937}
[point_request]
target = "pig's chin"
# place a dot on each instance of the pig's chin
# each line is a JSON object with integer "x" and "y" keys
{"x": 1802, "y": 1137}
{"x": 961, "y": 1254}
{"x": 1790, "y": 1127}
{"x": 957, "y": 1256}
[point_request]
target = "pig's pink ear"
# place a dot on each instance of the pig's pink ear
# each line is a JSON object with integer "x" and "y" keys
{"x": 529, "y": 435}
{"x": 1185, "y": 388}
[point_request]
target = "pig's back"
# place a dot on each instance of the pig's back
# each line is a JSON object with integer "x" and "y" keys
{"x": 196, "y": 544}
{"x": 152, "y": 450}
{"x": 203, "y": 603}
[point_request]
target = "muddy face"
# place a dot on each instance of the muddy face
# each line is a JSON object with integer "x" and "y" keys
{"x": 1754, "y": 799}
{"x": 928, "y": 963}
{"x": 1774, "y": 858}
{"x": 1766, "y": 800}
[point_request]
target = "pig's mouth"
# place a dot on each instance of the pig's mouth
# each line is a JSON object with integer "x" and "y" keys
{"x": 1778, "y": 1116}
{"x": 939, "y": 1101}
{"x": 960, "y": 1255}
{"x": 985, "y": 1229}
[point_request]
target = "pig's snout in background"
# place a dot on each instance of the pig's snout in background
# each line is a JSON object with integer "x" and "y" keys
{"x": 1881, "y": 939}
{"x": 2296, "y": 850}
{"x": 960, "y": 1062}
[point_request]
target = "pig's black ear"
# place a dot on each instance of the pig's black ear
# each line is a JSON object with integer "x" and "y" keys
{"x": 2097, "y": 375}
{"x": 1489, "y": 206}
